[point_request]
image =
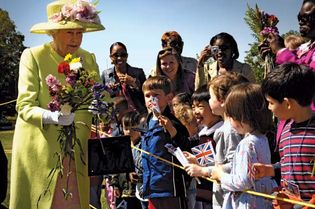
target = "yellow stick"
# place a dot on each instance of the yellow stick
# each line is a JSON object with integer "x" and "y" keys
{"x": 91, "y": 206}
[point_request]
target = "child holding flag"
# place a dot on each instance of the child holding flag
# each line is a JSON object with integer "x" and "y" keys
{"x": 204, "y": 152}
{"x": 247, "y": 111}
{"x": 225, "y": 137}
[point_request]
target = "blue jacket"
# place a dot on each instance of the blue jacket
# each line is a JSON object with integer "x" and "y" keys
{"x": 159, "y": 178}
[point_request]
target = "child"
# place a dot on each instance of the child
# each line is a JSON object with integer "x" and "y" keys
{"x": 163, "y": 185}
{"x": 289, "y": 89}
{"x": 124, "y": 185}
{"x": 210, "y": 123}
{"x": 247, "y": 111}
{"x": 292, "y": 42}
{"x": 180, "y": 99}
{"x": 225, "y": 137}
{"x": 181, "y": 107}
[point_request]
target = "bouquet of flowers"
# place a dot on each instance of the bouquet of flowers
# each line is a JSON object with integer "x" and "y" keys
{"x": 262, "y": 24}
{"x": 78, "y": 93}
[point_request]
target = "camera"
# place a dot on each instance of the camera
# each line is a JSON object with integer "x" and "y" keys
{"x": 214, "y": 50}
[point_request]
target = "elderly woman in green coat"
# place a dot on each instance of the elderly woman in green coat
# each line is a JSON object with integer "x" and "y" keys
{"x": 37, "y": 128}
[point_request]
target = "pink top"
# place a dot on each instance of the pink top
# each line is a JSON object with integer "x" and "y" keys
{"x": 305, "y": 55}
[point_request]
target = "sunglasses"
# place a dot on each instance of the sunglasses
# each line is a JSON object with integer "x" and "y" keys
{"x": 306, "y": 17}
{"x": 122, "y": 55}
{"x": 174, "y": 44}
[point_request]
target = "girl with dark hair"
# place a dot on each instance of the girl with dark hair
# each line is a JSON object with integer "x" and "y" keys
{"x": 124, "y": 79}
{"x": 223, "y": 48}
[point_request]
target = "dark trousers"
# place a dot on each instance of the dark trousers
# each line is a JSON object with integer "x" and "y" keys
{"x": 167, "y": 203}
{"x": 128, "y": 203}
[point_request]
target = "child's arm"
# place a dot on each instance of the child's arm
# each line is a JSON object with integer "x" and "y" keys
{"x": 262, "y": 170}
{"x": 195, "y": 170}
{"x": 243, "y": 175}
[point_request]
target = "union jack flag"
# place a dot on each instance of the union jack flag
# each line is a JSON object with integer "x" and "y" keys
{"x": 204, "y": 153}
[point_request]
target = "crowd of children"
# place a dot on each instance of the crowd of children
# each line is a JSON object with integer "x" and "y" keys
{"x": 234, "y": 115}
{"x": 236, "y": 119}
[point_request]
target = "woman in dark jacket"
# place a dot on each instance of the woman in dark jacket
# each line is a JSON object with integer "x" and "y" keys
{"x": 124, "y": 79}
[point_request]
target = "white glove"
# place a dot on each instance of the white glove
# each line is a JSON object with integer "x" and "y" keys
{"x": 57, "y": 118}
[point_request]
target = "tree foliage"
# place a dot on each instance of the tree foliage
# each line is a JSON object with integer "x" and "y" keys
{"x": 252, "y": 57}
{"x": 11, "y": 47}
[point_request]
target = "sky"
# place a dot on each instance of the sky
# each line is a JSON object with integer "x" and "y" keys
{"x": 139, "y": 24}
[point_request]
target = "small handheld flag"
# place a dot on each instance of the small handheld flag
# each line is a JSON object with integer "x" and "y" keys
{"x": 204, "y": 154}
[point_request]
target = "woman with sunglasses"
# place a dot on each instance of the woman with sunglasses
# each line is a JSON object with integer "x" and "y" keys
{"x": 168, "y": 63}
{"x": 223, "y": 48}
{"x": 305, "y": 54}
{"x": 124, "y": 79}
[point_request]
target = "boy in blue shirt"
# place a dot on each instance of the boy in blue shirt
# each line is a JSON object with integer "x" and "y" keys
{"x": 163, "y": 184}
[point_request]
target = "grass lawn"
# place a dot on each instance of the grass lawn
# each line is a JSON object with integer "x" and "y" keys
{"x": 6, "y": 140}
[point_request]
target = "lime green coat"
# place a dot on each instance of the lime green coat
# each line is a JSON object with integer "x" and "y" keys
{"x": 34, "y": 145}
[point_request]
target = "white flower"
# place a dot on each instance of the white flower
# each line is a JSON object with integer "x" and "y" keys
{"x": 75, "y": 66}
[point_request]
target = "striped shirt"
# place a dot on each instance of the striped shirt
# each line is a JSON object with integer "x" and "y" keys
{"x": 297, "y": 152}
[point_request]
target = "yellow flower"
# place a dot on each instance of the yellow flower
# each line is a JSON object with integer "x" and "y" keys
{"x": 68, "y": 57}
{"x": 74, "y": 60}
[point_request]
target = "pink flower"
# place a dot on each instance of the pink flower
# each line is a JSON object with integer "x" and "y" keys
{"x": 52, "y": 80}
{"x": 67, "y": 11}
{"x": 268, "y": 30}
{"x": 56, "y": 17}
{"x": 56, "y": 87}
{"x": 54, "y": 105}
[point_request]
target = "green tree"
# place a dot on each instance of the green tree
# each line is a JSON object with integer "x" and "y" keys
{"x": 11, "y": 47}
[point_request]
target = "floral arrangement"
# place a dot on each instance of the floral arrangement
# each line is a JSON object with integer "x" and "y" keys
{"x": 78, "y": 93}
{"x": 268, "y": 23}
{"x": 262, "y": 24}
{"x": 82, "y": 11}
